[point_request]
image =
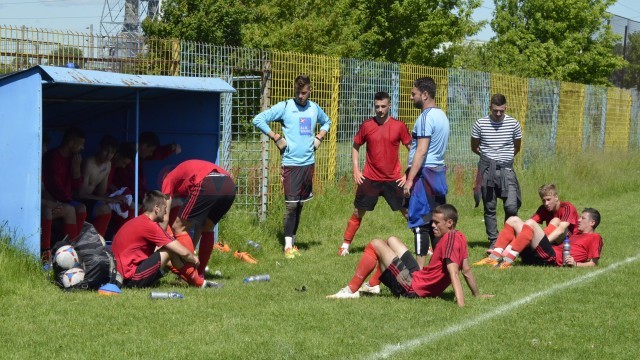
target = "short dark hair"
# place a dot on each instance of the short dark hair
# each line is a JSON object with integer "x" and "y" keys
{"x": 448, "y": 211}
{"x": 73, "y": 133}
{"x": 300, "y": 82}
{"x": 109, "y": 142}
{"x": 149, "y": 138}
{"x": 153, "y": 198}
{"x": 426, "y": 84}
{"x": 126, "y": 151}
{"x": 498, "y": 99}
{"x": 381, "y": 95}
{"x": 594, "y": 215}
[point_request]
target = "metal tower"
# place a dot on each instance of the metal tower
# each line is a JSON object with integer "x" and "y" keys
{"x": 120, "y": 24}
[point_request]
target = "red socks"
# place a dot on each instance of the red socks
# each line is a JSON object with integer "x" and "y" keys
{"x": 549, "y": 229}
{"x": 523, "y": 239}
{"x": 101, "y": 222}
{"x": 365, "y": 266}
{"x": 505, "y": 237}
{"x": 45, "y": 239}
{"x": 71, "y": 230}
{"x": 375, "y": 277}
{"x": 186, "y": 241}
{"x": 204, "y": 252}
{"x": 189, "y": 273}
{"x": 80, "y": 218}
{"x": 352, "y": 227}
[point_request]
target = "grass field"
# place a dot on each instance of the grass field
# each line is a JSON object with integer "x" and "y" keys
{"x": 537, "y": 313}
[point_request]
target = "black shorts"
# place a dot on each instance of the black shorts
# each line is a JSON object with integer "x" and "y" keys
{"x": 147, "y": 274}
{"x": 370, "y": 190}
{"x": 297, "y": 182}
{"x": 542, "y": 255}
{"x": 421, "y": 237}
{"x": 397, "y": 277}
{"x": 212, "y": 199}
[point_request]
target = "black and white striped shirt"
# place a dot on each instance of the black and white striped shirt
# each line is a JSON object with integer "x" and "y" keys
{"x": 497, "y": 139}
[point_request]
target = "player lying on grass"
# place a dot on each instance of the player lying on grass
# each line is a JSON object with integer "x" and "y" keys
{"x": 400, "y": 270}
{"x": 561, "y": 218}
{"x": 586, "y": 244}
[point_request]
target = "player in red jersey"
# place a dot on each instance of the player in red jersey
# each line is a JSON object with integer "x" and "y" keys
{"x": 381, "y": 177}
{"x": 401, "y": 272}
{"x": 62, "y": 175}
{"x": 134, "y": 248}
{"x": 208, "y": 192}
{"x": 561, "y": 218}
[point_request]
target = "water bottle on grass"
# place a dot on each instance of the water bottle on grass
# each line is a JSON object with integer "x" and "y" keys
{"x": 166, "y": 295}
{"x": 566, "y": 250}
{"x": 256, "y": 278}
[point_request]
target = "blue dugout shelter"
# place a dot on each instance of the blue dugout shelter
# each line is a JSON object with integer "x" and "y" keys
{"x": 46, "y": 99}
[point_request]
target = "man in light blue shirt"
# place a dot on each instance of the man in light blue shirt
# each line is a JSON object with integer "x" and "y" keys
{"x": 426, "y": 184}
{"x": 298, "y": 117}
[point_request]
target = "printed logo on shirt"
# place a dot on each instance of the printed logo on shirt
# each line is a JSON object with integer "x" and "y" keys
{"x": 305, "y": 126}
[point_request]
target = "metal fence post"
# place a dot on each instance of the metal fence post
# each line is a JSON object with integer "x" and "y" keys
{"x": 265, "y": 102}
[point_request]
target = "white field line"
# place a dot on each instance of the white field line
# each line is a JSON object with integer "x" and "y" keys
{"x": 389, "y": 350}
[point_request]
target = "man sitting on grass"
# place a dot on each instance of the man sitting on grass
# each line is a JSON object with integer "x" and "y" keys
{"x": 400, "y": 270}
{"x": 586, "y": 244}
{"x": 561, "y": 218}
{"x": 134, "y": 247}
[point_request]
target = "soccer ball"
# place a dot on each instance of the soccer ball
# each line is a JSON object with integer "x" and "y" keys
{"x": 72, "y": 277}
{"x": 66, "y": 257}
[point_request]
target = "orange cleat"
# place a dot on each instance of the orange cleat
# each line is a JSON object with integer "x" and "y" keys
{"x": 222, "y": 247}
{"x": 245, "y": 256}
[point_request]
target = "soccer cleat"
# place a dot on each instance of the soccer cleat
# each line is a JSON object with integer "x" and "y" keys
{"x": 343, "y": 252}
{"x": 486, "y": 261}
{"x": 211, "y": 284}
{"x": 504, "y": 265}
{"x": 245, "y": 256}
{"x": 366, "y": 288}
{"x": 295, "y": 251}
{"x": 288, "y": 253}
{"x": 221, "y": 247}
{"x": 344, "y": 293}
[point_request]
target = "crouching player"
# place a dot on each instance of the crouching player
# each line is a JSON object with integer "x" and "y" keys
{"x": 400, "y": 270}
{"x": 586, "y": 244}
{"x": 143, "y": 249}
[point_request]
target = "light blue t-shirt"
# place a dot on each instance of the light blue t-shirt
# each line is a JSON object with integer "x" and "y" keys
{"x": 298, "y": 128}
{"x": 432, "y": 123}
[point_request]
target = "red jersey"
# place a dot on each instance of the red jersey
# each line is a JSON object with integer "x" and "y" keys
{"x": 58, "y": 176}
{"x": 383, "y": 141}
{"x": 583, "y": 247}
{"x": 566, "y": 213}
{"x": 136, "y": 240}
{"x": 187, "y": 175}
{"x": 126, "y": 176}
{"x": 434, "y": 278}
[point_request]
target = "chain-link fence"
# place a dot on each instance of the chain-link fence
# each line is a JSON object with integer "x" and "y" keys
{"x": 557, "y": 118}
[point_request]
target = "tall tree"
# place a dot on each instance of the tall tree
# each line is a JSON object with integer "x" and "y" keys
{"x": 629, "y": 77}
{"x": 566, "y": 40}
{"x": 210, "y": 21}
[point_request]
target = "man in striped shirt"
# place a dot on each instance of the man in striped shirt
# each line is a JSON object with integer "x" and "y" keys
{"x": 496, "y": 138}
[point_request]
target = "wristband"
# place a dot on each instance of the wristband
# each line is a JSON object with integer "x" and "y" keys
{"x": 276, "y": 141}
{"x": 319, "y": 139}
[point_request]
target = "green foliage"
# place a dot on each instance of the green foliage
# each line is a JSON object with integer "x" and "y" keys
{"x": 566, "y": 40}
{"x": 65, "y": 54}
{"x": 411, "y": 31}
{"x": 629, "y": 77}
{"x": 209, "y": 21}
{"x": 275, "y": 321}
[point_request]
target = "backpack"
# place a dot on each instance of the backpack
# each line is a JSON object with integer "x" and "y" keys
{"x": 95, "y": 258}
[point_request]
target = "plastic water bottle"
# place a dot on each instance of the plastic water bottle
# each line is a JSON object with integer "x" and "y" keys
{"x": 257, "y": 278}
{"x": 166, "y": 295}
{"x": 566, "y": 248}
{"x": 253, "y": 244}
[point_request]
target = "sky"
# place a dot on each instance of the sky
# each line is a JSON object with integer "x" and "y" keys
{"x": 80, "y": 15}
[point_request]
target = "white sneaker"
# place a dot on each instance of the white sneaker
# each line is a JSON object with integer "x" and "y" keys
{"x": 345, "y": 293}
{"x": 366, "y": 288}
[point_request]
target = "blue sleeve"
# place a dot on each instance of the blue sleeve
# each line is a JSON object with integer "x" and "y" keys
{"x": 275, "y": 113}
{"x": 424, "y": 127}
{"x": 324, "y": 120}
